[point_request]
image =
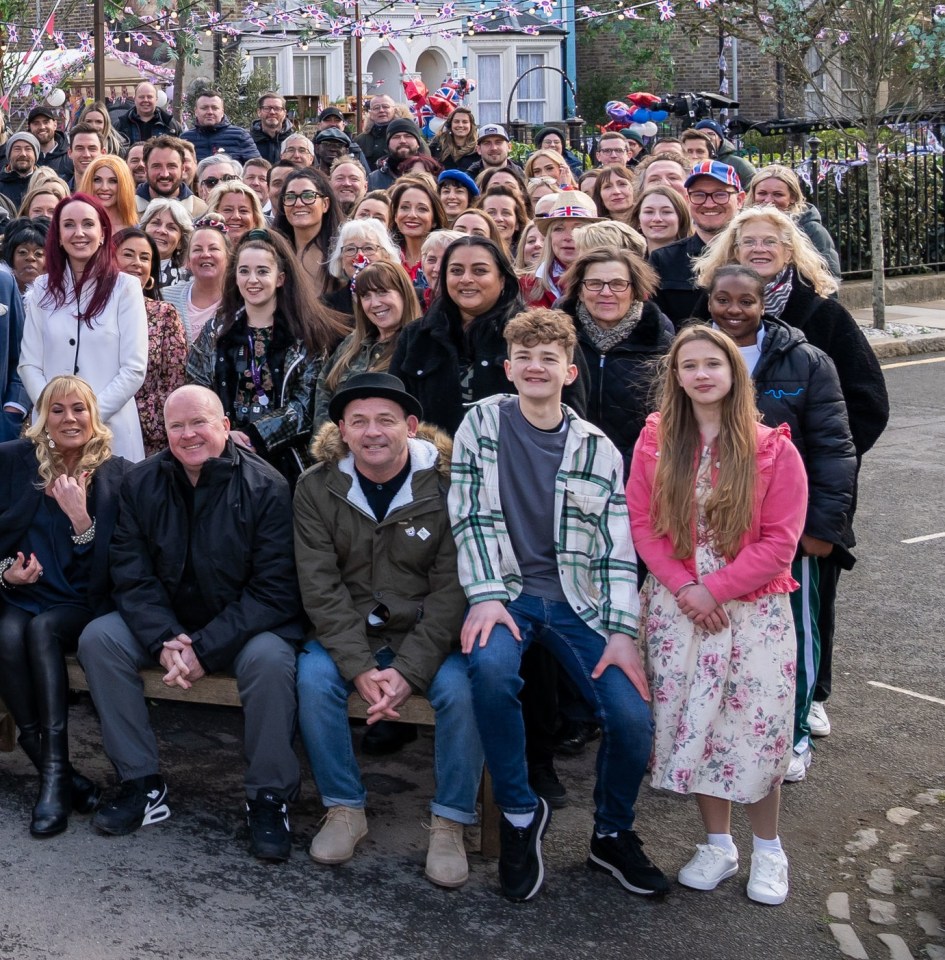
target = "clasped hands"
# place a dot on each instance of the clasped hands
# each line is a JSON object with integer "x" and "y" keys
{"x": 383, "y": 691}
{"x": 698, "y": 604}
{"x": 181, "y": 663}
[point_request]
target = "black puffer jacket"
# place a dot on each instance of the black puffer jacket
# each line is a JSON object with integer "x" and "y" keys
{"x": 240, "y": 539}
{"x": 678, "y": 296}
{"x": 796, "y": 384}
{"x": 427, "y": 359}
{"x": 135, "y": 130}
{"x": 620, "y": 382}
{"x": 269, "y": 147}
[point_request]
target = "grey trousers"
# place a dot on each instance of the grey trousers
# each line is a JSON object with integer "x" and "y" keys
{"x": 265, "y": 676}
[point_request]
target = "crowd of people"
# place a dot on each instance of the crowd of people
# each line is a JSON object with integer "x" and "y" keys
{"x": 572, "y": 453}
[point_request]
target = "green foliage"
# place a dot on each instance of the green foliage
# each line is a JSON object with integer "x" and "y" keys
{"x": 643, "y": 62}
{"x": 240, "y": 94}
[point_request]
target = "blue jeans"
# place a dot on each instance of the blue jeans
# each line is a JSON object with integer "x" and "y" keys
{"x": 624, "y": 716}
{"x": 323, "y": 719}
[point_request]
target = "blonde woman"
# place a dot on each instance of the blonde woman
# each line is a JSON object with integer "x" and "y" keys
{"x": 550, "y": 163}
{"x": 530, "y": 245}
{"x": 239, "y": 205}
{"x": 779, "y": 186}
{"x": 609, "y": 233}
{"x": 59, "y": 488}
{"x": 717, "y": 506}
{"x": 42, "y": 198}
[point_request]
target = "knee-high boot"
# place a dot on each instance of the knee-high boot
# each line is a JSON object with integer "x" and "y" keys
{"x": 86, "y": 795}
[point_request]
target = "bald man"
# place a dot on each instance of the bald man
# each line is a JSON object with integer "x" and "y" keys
{"x": 204, "y": 575}
{"x": 373, "y": 142}
{"x": 146, "y": 119}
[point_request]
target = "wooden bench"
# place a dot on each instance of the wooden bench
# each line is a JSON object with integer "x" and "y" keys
{"x": 221, "y": 691}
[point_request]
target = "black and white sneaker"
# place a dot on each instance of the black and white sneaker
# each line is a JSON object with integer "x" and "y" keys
{"x": 521, "y": 871}
{"x": 268, "y": 819}
{"x": 139, "y": 802}
{"x": 623, "y": 857}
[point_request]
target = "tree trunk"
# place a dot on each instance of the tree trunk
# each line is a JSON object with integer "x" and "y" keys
{"x": 877, "y": 248}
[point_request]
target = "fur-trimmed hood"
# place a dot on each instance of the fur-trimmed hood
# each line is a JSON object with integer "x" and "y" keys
{"x": 328, "y": 448}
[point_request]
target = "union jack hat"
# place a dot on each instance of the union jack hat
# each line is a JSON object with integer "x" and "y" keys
{"x": 569, "y": 205}
{"x": 717, "y": 171}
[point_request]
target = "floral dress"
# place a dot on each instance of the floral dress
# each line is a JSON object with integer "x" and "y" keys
{"x": 723, "y": 704}
{"x": 167, "y": 358}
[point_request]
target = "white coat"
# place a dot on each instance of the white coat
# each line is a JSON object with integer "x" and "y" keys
{"x": 111, "y": 356}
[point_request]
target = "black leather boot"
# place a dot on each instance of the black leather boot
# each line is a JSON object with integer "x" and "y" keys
{"x": 51, "y": 813}
{"x": 86, "y": 795}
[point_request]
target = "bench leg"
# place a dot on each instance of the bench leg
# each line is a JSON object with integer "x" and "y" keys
{"x": 489, "y": 844}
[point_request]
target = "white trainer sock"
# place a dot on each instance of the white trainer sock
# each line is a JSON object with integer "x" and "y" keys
{"x": 519, "y": 819}
{"x": 767, "y": 846}
{"x": 724, "y": 841}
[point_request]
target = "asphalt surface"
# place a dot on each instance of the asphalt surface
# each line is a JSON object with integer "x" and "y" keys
{"x": 188, "y": 889}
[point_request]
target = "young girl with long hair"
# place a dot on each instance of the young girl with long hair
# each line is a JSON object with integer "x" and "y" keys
{"x": 264, "y": 349}
{"x": 717, "y": 506}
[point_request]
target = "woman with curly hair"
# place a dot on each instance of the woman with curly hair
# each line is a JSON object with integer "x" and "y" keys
{"x": 455, "y": 145}
{"x": 59, "y": 489}
{"x": 264, "y": 349}
{"x": 86, "y": 318}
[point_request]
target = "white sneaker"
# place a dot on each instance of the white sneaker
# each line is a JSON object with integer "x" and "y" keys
{"x": 768, "y": 882}
{"x": 709, "y": 867}
{"x": 797, "y": 769}
{"x": 818, "y": 720}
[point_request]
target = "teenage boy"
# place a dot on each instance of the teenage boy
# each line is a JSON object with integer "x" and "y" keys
{"x": 543, "y": 535}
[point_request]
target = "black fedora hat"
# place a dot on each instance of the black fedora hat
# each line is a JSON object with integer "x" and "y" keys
{"x": 367, "y": 385}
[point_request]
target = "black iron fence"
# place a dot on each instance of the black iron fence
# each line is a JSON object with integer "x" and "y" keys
{"x": 832, "y": 167}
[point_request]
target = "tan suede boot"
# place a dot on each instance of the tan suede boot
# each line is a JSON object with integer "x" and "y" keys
{"x": 335, "y": 842}
{"x": 446, "y": 855}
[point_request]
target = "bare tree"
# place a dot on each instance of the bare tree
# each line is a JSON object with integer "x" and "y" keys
{"x": 868, "y": 62}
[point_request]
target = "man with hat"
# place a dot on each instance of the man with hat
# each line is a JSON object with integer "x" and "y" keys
{"x": 271, "y": 127}
{"x": 493, "y": 148}
{"x": 726, "y": 151}
{"x": 404, "y": 140}
{"x": 330, "y": 144}
{"x": 331, "y": 118}
{"x": 377, "y": 569}
{"x": 715, "y": 195}
{"x": 22, "y": 154}
{"x": 53, "y": 146}
{"x": 636, "y": 145}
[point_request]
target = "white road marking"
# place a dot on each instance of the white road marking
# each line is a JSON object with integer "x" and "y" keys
{"x": 928, "y": 536}
{"x": 912, "y": 363}
{"x": 908, "y": 693}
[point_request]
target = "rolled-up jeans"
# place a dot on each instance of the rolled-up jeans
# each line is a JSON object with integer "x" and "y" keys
{"x": 624, "y": 716}
{"x": 323, "y": 720}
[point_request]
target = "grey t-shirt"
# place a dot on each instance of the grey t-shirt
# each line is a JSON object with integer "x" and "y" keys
{"x": 529, "y": 459}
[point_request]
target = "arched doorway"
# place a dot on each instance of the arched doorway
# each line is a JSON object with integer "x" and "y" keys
{"x": 385, "y": 71}
{"x": 433, "y": 67}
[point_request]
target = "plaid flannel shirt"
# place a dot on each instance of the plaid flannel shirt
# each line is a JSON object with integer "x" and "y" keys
{"x": 596, "y": 560}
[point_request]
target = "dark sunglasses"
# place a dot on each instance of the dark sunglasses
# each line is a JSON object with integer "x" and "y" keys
{"x": 213, "y": 181}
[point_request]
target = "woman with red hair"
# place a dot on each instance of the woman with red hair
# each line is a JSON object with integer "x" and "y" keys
{"x": 87, "y": 319}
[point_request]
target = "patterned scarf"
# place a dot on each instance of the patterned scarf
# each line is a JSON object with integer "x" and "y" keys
{"x": 778, "y": 291}
{"x": 606, "y": 339}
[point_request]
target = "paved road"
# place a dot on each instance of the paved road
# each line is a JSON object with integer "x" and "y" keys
{"x": 186, "y": 889}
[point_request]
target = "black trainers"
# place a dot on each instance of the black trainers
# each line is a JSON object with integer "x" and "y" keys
{"x": 139, "y": 802}
{"x": 623, "y": 857}
{"x": 521, "y": 871}
{"x": 544, "y": 781}
{"x": 268, "y": 819}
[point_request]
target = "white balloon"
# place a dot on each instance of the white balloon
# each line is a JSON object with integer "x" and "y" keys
{"x": 161, "y": 99}
{"x": 436, "y": 124}
{"x": 56, "y": 98}
{"x": 650, "y": 129}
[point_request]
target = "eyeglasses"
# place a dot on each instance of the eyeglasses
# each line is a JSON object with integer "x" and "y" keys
{"x": 270, "y": 109}
{"x": 698, "y": 197}
{"x": 548, "y": 181}
{"x": 306, "y": 197}
{"x": 615, "y": 286}
{"x": 213, "y": 181}
{"x": 612, "y": 151}
{"x": 351, "y": 249}
{"x": 767, "y": 243}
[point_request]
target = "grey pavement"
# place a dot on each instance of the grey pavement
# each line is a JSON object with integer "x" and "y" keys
{"x": 187, "y": 889}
